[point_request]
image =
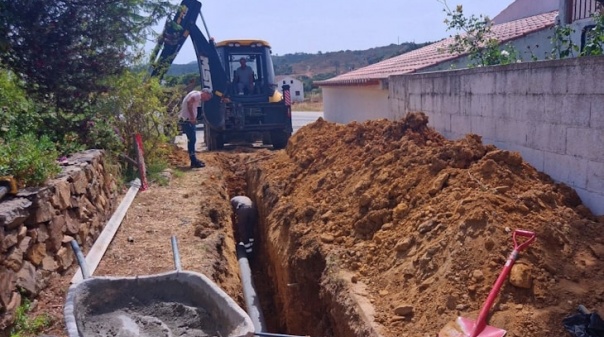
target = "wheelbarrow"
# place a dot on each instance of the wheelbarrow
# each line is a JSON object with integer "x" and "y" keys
{"x": 177, "y": 303}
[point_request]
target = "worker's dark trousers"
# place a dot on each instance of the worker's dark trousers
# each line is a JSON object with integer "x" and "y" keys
{"x": 189, "y": 130}
{"x": 246, "y": 218}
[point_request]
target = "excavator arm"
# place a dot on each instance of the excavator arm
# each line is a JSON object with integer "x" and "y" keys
{"x": 173, "y": 37}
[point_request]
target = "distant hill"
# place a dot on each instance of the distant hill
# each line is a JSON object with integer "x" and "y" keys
{"x": 321, "y": 65}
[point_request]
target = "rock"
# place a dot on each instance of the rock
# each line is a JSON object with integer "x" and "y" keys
{"x": 387, "y": 226}
{"x": 22, "y": 233}
{"x": 439, "y": 183}
{"x": 55, "y": 229}
{"x": 403, "y": 310}
{"x": 426, "y": 226}
{"x": 14, "y": 259}
{"x": 383, "y": 292}
{"x": 61, "y": 198}
{"x": 461, "y": 307}
{"x": 25, "y": 244}
{"x": 8, "y": 280}
{"x": 327, "y": 238}
{"x": 49, "y": 264}
{"x": 26, "y": 278}
{"x": 43, "y": 233}
{"x": 42, "y": 213}
{"x": 354, "y": 279}
{"x": 65, "y": 258}
{"x": 327, "y": 215}
{"x": 397, "y": 319}
{"x": 72, "y": 225}
{"x": 131, "y": 239}
{"x": 477, "y": 275}
{"x": 78, "y": 181}
{"x": 37, "y": 253}
{"x": 67, "y": 239}
{"x": 404, "y": 244}
{"x": 520, "y": 276}
{"x": 400, "y": 211}
{"x": 11, "y": 239}
{"x": 14, "y": 212}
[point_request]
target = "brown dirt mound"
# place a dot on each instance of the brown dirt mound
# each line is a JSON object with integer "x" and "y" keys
{"x": 426, "y": 222}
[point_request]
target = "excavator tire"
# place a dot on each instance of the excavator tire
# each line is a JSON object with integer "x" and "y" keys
{"x": 279, "y": 139}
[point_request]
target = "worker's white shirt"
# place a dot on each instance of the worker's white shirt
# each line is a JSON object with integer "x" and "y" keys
{"x": 194, "y": 96}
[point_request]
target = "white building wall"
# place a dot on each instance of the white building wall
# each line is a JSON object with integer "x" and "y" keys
{"x": 552, "y": 112}
{"x": 296, "y": 88}
{"x": 355, "y": 103}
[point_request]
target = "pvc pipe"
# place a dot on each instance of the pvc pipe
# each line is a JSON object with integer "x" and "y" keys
{"x": 175, "y": 253}
{"x": 80, "y": 258}
{"x": 252, "y": 302}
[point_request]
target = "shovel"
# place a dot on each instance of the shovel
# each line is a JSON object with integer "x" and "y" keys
{"x": 466, "y": 327}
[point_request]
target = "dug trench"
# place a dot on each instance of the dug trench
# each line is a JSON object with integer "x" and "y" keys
{"x": 386, "y": 228}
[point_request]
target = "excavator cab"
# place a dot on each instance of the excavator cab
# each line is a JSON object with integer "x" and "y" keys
{"x": 257, "y": 54}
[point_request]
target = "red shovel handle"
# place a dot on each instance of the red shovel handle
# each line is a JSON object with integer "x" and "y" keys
{"x": 528, "y": 234}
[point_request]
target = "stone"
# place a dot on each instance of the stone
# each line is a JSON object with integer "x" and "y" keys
{"x": 520, "y": 276}
{"x": 43, "y": 213}
{"x": 426, "y": 226}
{"x": 78, "y": 181}
{"x": 22, "y": 233}
{"x": 72, "y": 225}
{"x": 439, "y": 183}
{"x": 37, "y": 253}
{"x": 400, "y": 211}
{"x": 61, "y": 199}
{"x": 67, "y": 239}
{"x": 10, "y": 240}
{"x": 43, "y": 233}
{"x": 477, "y": 275}
{"x": 8, "y": 317}
{"x": 26, "y": 278}
{"x": 327, "y": 238}
{"x": 55, "y": 229}
{"x": 14, "y": 212}
{"x": 65, "y": 258}
{"x": 8, "y": 280}
{"x": 49, "y": 263}
{"x": 14, "y": 259}
{"x": 403, "y": 310}
{"x": 404, "y": 244}
{"x": 25, "y": 244}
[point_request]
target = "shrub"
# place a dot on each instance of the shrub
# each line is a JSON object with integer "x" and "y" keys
{"x": 29, "y": 159}
{"x": 26, "y": 326}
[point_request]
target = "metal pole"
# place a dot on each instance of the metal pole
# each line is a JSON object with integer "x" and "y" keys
{"x": 204, "y": 24}
{"x": 80, "y": 258}
{"x": 252, "y": 302}
{"x": 175, "y": 253}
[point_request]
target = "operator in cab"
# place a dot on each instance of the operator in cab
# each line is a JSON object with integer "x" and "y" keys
{"x": 244, "y": 78}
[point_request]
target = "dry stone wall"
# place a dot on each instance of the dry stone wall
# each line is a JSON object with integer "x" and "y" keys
{"x": 37, "y": 224}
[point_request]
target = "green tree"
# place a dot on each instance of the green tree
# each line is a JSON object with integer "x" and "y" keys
{"x": 475, "y": 38}
{"x": 63, "y": 49}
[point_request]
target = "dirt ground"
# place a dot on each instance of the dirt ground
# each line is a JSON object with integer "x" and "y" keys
{"x": 418, "y": 226}
{"x": 425, "y": 225}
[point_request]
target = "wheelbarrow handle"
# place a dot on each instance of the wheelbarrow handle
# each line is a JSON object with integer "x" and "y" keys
{"x": 528, "y": 234}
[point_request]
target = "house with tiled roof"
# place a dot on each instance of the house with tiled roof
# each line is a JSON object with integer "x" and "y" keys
{"x": 296, "y": 87}
{"x": 527, "y": 25}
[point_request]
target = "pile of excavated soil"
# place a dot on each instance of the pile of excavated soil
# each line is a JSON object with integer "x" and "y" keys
{"x": 425, "y": 225}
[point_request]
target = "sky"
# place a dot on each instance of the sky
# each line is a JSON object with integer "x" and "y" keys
{"x": 310, "y": 26}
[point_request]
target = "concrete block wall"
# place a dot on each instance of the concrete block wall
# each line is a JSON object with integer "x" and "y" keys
{"x": 552, "y": 112}
{"x": 37, "y": 225}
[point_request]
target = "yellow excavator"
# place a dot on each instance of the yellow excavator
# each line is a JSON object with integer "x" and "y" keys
{"x": 232, "y": 115}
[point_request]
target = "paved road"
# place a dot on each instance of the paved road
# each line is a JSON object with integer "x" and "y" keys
{"x": 299, "y": 119}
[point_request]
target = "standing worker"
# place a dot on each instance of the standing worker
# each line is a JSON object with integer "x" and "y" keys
{"x": 188, "y": 120}
{"x": 246, "y": 220}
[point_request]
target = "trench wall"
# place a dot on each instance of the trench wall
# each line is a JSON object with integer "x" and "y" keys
{"x": 552, "y": 112}
{"x": 37, "y": 224}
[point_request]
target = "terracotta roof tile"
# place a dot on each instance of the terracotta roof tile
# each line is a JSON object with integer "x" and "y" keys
{"x": 436, "y": 53}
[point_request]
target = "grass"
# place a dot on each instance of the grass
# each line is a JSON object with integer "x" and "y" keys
{"x": 25, "y": 326}
{"x": 307, "y": 106}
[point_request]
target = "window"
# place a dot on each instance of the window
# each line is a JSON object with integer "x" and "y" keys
{"x": 297, "y": 93}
